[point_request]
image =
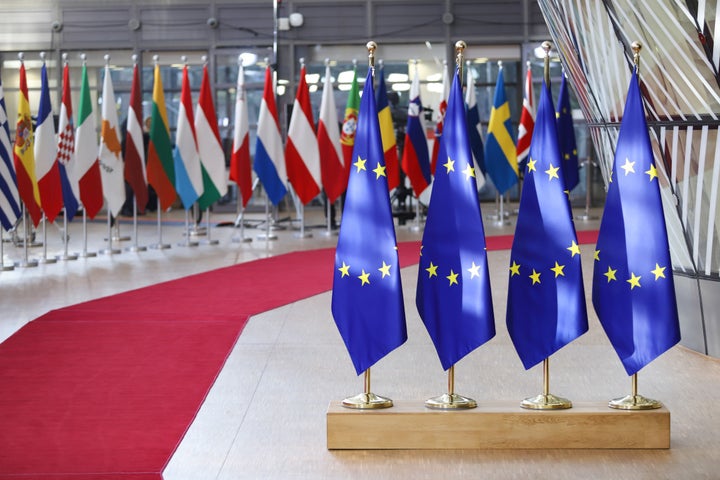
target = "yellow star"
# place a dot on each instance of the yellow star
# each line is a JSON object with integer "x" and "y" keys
{"x": 469, "y": 172}
{"x": 597, "y": 255}
{"x": 432, "y": 270}
{"x": 531, "y": 165}
{"x": 634, "y": 281}
{"x": 610, "y": 274}
{"x": 449, "y": 165}
{"x": 379, "y": 171}
{"x": 652, "y": 172}
{"x": 344, "y": 270}
{"x": 452, "y": 277}
{"x": 567, "y": 156}
{"x": 658, "y": 272}
{"x": 474, "y": 270}
{"x": 558, "y": 269}
{"x": 385, "y": 269}
{"x": 364, "y": 278}
{"x": 360, "y": 164}
{"x": 535, "y": 277}
{"x": 574, "y": 249}
{"x": 514, "y": 269}
{"x": 629, "y": 166}
{"x": 552, "y": 172}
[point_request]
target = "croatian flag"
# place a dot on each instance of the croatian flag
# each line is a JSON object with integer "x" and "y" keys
{"x": 415, "y": 158}
{"x": 66, "y": 150}
{"x": 269, "y": 156}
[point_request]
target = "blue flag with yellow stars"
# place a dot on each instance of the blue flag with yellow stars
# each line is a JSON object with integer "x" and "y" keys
{"x": 453, "y": 290}
{"x": 566, "y": 136}
{"x": 367, "y": 301}
{"x": 633, "y": 290}
{"x": 546, "y": 300}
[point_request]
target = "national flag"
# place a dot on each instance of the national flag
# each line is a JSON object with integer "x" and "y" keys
{"x": 240, "y": 169}
{"x": 87, "y": 166}
{"x": 349, "y": 125}
{"x": 301, "y": 151}
{"x": 387, "y": 130}
{"x": 439, "y": 118}
{"x": 23, "y": 154}
{"x": 332, "y": 167}
{"x": 527, "y": 120}
{"x": 633, "y": 289}
{"x": 188, "y": 173}
{"x": 415, "y": 156}
{"x": 212, "y": 156}
{"x": 66, "y": 150}
{"x": 566, "y": 136}
{"x": 135, "y": 145}
{"x": 112, "y": 167}
{"x": 500, "y": 150}
{"x": 453, "y": 289}
{"x": 367, "y": 300}
{"x": 475, "y": 131}
{"x": 546, "y": 301}
{"x": 160, "y": 163}
{"x": 269, "y": 162}
{"x": 10, "y": 209}
{"x": 45, "y": 151}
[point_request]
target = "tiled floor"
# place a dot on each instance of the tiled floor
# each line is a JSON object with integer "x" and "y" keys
{"x": 265, "y": 416}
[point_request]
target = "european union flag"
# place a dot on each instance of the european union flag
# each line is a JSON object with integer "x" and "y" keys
{"x": 453, "y": 290}
{"x": 367, "y": 301}
{"x": 500, "y": 153}
{"x": 546, "y": 302}
{"x": 633, "y": 290}
{"x": 566, "y": 136}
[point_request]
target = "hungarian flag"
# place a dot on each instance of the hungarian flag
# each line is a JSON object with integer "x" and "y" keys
{"x": 24, "y": 155}
{"x": 527, "y": 121}
{"x": 135, "y": 146}
{"x": 66, "y": 150}
{"x": 415, "y": 158}
{"x": 442, "y": 107}
{"x": 332, "y": 168}
{"x": 269, "y": 156}
{"x": 240, "y": 169}
{"x": 188, "y": 173}
{"x": 160, "y": 166}
{"x": 301, "y": 152}
{"x": 387, "y": 131}
{"x": 212, "y": 156}
{"x": 110, "y": 156}
{"x": 87, "y": 166}
{"x": 9, "y": 198}
{"x": 46, "y": 167}
{"x": 349, "y": 125}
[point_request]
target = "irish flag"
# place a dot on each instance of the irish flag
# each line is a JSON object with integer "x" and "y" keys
{"x": 160, "y": 167}
{"x": 86, "y": 152}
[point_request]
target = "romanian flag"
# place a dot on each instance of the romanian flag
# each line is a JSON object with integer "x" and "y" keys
{"x": 46, "y": 167}
{"x": 24, "y": 154}
{"x": 387, "y": 130}
{"x": 86, "y": 152}
{"x": 240, "y": 169}
{"x": 160, "y": 166}
{"x": 500, "y": 149}
{"x": 328, "y": 135}
{"x": 135, "y": 146}
{"x": 188, "y": 173}
{"x": 10, "y": 209}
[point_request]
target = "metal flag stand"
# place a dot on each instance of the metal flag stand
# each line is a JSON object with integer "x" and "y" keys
{"x": 4, "y": 267}
{"x": 302, "y": 233}
{"x": 66, "y": 238}
{"x": 240, "y": 219}
{"x": 268, "y": 220}
{"x": 85, "y": 253}
{"x": 159, "y": 245}
{"x": 328, "y": 216}
{"x": 135, "y": 247}
{"x": 209, "y": 240}
{"x": 367, "y": 399}
{"x": 109, "y": 250}
{"x": 44, "y": 258}
{"x": 25, "y": 262}
{"x": 188, "y": 241}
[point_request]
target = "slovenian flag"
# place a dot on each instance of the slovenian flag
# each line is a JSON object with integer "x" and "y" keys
{"x": 416, "y": 158}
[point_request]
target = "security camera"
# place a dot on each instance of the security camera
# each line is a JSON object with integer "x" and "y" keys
{"x": 212, "y": 22}
{"x": 57, "y": 26}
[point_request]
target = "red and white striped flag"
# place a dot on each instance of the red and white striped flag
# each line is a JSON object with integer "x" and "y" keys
{"x": 301, "y": 152}
{"x": 328, "y": 135}
{"x": 135, "y": 146}
{"x": 527, "y": 120}
{"x": 240, "y": 168}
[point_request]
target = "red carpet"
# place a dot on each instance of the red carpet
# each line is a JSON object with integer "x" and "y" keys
{"x": 106, "y": 389}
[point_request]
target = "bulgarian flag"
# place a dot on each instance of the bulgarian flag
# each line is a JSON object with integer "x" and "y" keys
{"x": 240, "y": 169}
{"x": 160, "y": 167}
{"x": 347, "y": 134}
{"x": 86, "y": 152}
{"x": 212, "y": 156}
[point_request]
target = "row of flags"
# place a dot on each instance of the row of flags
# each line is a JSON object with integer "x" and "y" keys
{"x": 633, "y": 292}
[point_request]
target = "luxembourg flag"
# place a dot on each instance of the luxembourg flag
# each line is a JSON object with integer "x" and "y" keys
{"x": 46, "y": 167}
{"x": 66, "y": 150}
{"x": 301, "y": 152}
{"x": 188, "y": 173}
{"x": 269, "y": 156}
{"x": 240, "y": 169}
{"x": 415, "y": 158}
{"x": 110, "y": 155}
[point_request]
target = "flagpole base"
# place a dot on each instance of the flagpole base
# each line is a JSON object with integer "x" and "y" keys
{"x": 211, "y": 242}
{"x": 241, "y": 239}
{"x": 88, "y": 254}
{"x": 46, "y": 260}
{"x": 4, "y": 267}
{"x": 450, "y": 401}
{"x": 263, "y": 236}
{"x": 634, "y": 402}
{"x": 303, "y": 235}
{"x": 546, "y": 402}
{"x": 160, "y": 246}
{"x": 367, "y": 401}
{"x": 65, "y": 257}
{"x": 110, "y": 251}
{"x": 188, "y": 243}
{"x": 136, "y": 248}
{"x": 585, "y": 217}
{"x": 26, "y": 264}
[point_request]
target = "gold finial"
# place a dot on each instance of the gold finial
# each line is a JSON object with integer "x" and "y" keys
{"x": 547, "y": 46}
{"x": 371, "y": 46}
{"x": 460, "y": 47}
{"x": 636, "y": 47}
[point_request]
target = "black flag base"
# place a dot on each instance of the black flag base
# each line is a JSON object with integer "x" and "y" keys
{"x": 634, "y": 402}
{"x": 450, "y": 401}
{"x": 546, "y": 402}
{"x": 367, "y": 401}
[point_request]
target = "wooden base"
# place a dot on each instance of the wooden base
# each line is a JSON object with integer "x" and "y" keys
{"x": 498, "y": 425}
